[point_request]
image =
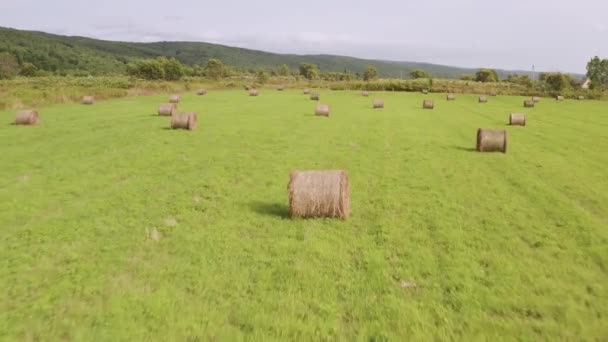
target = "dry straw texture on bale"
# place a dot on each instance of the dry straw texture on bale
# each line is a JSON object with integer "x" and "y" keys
{"x": 559, "y": 98}
{"x": 315, "y": 97}
{"x": 378, "y": 103}
{"x": 536, "y": 99}
{"x": 528, "y": 103}
{"x": 88, "y": 100}
{"x": 253, "y": 92}
{"x": 365, "y": 93}
{"x": 428, "y": 104}
{"x": 187, "y": 121}
{"x": 174, "y": 99}
{"x": 27, "y": 117}
{"x": 581, "y": 97}
{"x": 489, "y": 140}
{"x": 517, "y": 119}
{"x": 322, "y": 110}
{"x": 483, "y": 99}
{"x": 306, "y": 91}
{"x": 167, "y": 109}
{"x": 201, "y": 91}
{"x": 451, "y": 97}
{"x": 319, "y": 194}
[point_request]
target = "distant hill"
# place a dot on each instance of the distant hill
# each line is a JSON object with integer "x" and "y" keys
{"x": 55, "y": 53}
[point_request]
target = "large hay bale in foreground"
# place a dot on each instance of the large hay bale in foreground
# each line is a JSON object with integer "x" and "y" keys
{"x": 529, "y": 103}
{"x": 322, "y": 110}
{"x": 88, "y": 100}
{"x": 201, "y": 91}
{"x": 174, "y": 99}
{"x": 517, "y": 119}
{"x": 378, "y": 103}
{"x": 187, "y": 121}
{"x": 365, "y": 93}
{"x": 428, "y": 104}
{"x": 483, "y": 99}
{"x": 319, "y": 194}
{"x": 581, "y": 97}
{"x": 451, "y": 97}
{"x": 536, "y": 99}
{"x": 559, "y": 98}
{"x": 27, "y": 117}
{"x": 167, "y": 109}
{"x": 306, "y": 91}
{"x": 315, "y": 96}
{"x": 253, "y": 92}
{"x": 489, "y": 140}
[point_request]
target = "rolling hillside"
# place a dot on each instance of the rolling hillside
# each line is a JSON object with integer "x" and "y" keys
{"x": 55, "y": 53}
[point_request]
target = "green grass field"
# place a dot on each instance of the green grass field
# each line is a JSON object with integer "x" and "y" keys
{"x": 115, "y": 228}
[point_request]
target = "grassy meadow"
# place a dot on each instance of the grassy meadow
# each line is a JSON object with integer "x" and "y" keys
{"x": 115, "y": 228}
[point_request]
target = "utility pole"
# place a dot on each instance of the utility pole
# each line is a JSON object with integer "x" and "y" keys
{"x": 533, "y": 73}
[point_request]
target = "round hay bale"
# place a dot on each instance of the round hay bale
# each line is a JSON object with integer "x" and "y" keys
{"x": 425, "y": 91}
{"x": 451, "y": 97}
{"x": 254, "y": 92}
{"x": 88, "y": 100}
{"x": 559, "y": 98}
{"x": 529, "y": 103}
{"x": 483, "y": 99}
{"x": 489, "y": 140}
{"x": 174, "y": 99}
{"x": 306, "y": 91}
{"x": 517, "y": 119}
{"x": 378, "y": 103}
{"x": 167, "y": 109}
{"x": 428, "y": 104}
{"x": 247, "y": 87}
{"x": 493, "y": 93}
{"x": 581, "y": 97}
{"x": 365, "y": 93}
{"x": 536, "y": 99}
{"x": 201, "y": 91}
{"x": 319, "y": 194}
{"x": 281, "y": 88}
{"x": 187, "y": 121}
{"x": 322, "y": 110}
{"x": 315, "y": 96}
{"x": 27, "y": 117}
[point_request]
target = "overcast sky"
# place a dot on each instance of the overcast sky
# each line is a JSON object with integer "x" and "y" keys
{"x": 555, "y": 35}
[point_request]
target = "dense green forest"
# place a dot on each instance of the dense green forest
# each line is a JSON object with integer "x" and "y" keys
{"x": 54, "y": 54}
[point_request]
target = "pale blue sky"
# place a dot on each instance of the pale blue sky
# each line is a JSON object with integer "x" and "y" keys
{"x": 555, "y": 35}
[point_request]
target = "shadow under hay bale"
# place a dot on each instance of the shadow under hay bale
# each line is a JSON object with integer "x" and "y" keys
{"x": 489, "y": 140}
{"x": 27, "y": 117}
{"x": 306, "y": 91}
{"x": 315, "y": 96}
{"x": 174, "y": 99}
{"x": 88, "y": 100}
{"x": 536, "y": 99}
{"x": 365, "y": 93}
{"x": 270, "y": 209}
{"x": 378, "y": 103}
{"x": 187, "y": 121}
{"x": 529, "y": 103}
{"x": 483, "y": 99}
{"x": 559, "y": 98}
{"x": 319, "y": 194}
{"x": 428, "y": 104}
{"x": 322, "y": 110}
{"x": 167, "y": 109}
{"x": 451, "y": 97}
{"x": 254, "y": 92}
{"x": 201, "y": 91}
{"x": 517, "y": 119}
